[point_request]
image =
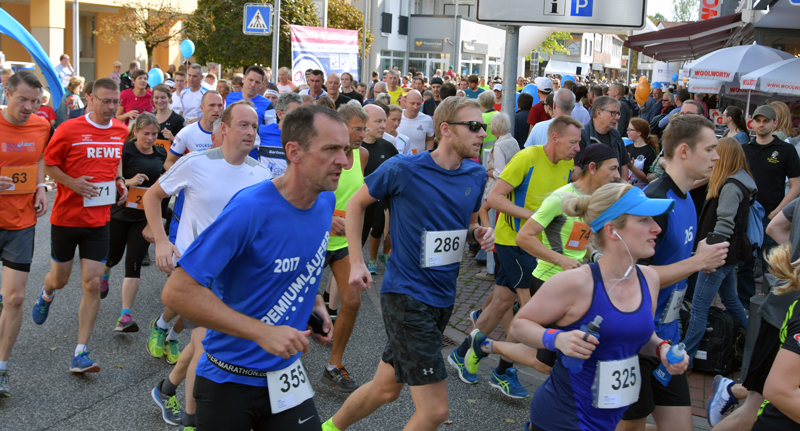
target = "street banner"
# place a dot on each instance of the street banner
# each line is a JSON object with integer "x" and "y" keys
{"x": 328, "y": 49}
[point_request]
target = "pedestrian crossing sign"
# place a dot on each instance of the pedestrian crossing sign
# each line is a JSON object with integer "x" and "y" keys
{"x": 257, "y": 19}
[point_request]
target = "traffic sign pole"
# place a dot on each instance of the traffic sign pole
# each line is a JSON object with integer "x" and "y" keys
{"x": 510, "y": 72}
{"x": 276, "y": 37}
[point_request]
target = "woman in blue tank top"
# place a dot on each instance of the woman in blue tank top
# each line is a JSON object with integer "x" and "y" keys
{"x": 603, "y": 379}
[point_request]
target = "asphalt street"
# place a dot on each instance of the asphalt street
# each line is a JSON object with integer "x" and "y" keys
{"x": 45, "y": 395}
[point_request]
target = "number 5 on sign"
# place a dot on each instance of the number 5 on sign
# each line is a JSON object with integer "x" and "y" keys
{"x": 442, "y": 247}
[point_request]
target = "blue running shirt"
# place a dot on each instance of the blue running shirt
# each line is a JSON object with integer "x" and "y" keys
{"x": 424, "y": 197}
{"x": 262, "y": 257}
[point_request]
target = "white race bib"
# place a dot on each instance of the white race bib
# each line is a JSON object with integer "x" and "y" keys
{"x": 673, "y": 308}
{"x": 616, "y": 383}
{"x": 288, "y": 387}
{"x": 108, "y": 195}
{"x": 442, "y": 247}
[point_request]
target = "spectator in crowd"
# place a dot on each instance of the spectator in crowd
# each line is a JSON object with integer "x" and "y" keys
{"x": 4, "y": 75}
{"x": 114, "y": 75}
{"x": 603, "y": 129}
{"x": 544, "y": 87}
{"x": 653, "y": 105}
{"x": 562, "y": 102}
{"x": 64, "y": 70}
{"x": 45, "y": 111}
{"x": 733, "y": 119}
{"x": 521, "y": 128}
{"x": 71, "y": 99}
{"x": 473, "y": 90}
{"x": 135, "y": 100}
{"x": 617, "y": 91}
{"x": 125, "y": 80}
{"x": 681, "y": 96}
{"x": 236, "y": 82}
{"x": 642, "y": 152}
{"x": 784, "y": 130}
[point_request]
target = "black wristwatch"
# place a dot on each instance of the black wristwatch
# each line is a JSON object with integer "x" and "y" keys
{"x": 120, "y": 178}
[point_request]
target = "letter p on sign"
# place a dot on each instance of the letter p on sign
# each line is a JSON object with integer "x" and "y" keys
{"x": 582, "y": 8}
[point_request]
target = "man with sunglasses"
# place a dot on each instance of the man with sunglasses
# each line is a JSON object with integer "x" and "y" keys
{"x": 603, "y": 129}
{"x": 419, "y": 287}
{"x": 530, "y": 176}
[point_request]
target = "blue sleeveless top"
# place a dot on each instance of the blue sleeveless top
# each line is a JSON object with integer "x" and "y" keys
{"x": 564, "y": 401}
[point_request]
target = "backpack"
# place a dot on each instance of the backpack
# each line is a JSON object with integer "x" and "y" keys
{"x": 755, "y": 226}
{"x": 716, "y": 353}
{"x": 634, "y": 106}
{"x": 654, "y": 129}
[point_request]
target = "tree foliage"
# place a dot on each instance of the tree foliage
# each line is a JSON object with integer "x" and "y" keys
{"x": 216, "y": 30}
{"x": 343, "y": 15}
{"x": 657, "y": 18}
{"x": 685, "y": 10}
{"x": 554, "y": 44}
{"x": 149, "y": 22}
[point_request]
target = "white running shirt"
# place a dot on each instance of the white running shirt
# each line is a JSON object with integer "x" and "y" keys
{"x": 191, "y": 138}
{"x": 401, "y": 142}
{"x": 417, "y": 129}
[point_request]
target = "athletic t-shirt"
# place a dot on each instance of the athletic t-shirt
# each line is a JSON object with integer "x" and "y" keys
{"x": 306, "y": 92}
{"x": 417, "y": 129}
{"x": 175, "y": 123}
{"x": 263, "y": 257}
{"x": 379, "y": 152}
{"x": 673, "y": 244}
{"x": 81, "y": 147}
{"x": 349, "y": 182}
{"x": 413, "y": 182}
{"x": 208, "y": 182}
{"x": 21, "y": 146}
{"x": 270, "y": 151}
{"x": 769, "y": 417}
{"x": 642, "y": 158}
{"x": 563, "y": 234}
{"x": 355, "y": 95}
{"x": 473, "y": 94}
{"x": 191, "y": 138}
{"x": 395, "y": 95}
{"x": 190, "y": 102}
{"x": 135, "y": 162}
{"x": 132, "y": 102}
{"x": 263, "y": 106}
{"x": 401, "y": 142}
{"x": 537, "y": 114}
{"x": 533, "y": 177}
{"x": 47, "y": 113}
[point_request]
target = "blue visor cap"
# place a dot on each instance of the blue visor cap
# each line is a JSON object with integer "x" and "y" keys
{"x": 633, "y": 202}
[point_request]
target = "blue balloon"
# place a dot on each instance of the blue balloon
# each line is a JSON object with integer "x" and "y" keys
{"x": 187, "y": 48}
{"x": 674, "y": 77}
{"x": 533, "y": 91}
{"x": 566, "y": 78}
{"x": 154, "y": 77}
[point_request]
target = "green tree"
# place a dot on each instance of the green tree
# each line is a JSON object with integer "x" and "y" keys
{"x": 216, "y": 30}
{"x": 685, "y": 10}
{"x": 343, "y": 15}
{"x": 657, "y": 18}
{"x": 554, "y": 44}
{"x": 143, "y": 21}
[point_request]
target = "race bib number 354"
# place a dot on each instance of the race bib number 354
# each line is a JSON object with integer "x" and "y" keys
{"x": 442, "y": 247}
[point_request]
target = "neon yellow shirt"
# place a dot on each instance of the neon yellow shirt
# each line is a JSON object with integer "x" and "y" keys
{"x": 533, "y": 177}
{"x": 563, "y": 234}
{"x": 396, "y": 95}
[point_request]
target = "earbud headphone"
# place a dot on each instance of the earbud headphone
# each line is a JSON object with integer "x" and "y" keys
{"x": 630, "y": 268}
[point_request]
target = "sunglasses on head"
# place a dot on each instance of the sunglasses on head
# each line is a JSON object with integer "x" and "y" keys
{"x": 473, "y": 126}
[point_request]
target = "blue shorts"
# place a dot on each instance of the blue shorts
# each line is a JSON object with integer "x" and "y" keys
{"x": 515, "y": 267}
{"x": 173, "y": 230}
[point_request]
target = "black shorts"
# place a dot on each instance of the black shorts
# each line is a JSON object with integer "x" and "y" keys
{"x": 414, "y": 348}
{"x": 92, "y": 243}
{"x": 335, "y": 255}
{"x": 534, "y": 285}
{"x": 516, "y": 267}
{"x": 234, "y": 407}
{"x": 764, "y": 352}
{"x": 653, "y": 393}
{"x": 16, "y": 248}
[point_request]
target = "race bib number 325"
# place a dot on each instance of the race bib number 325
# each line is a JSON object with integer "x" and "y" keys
{"x": 442, "y": 247}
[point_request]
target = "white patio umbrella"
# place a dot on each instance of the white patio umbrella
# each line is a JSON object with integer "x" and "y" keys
{"x": 780, "y": 78}
{"x": 732, "y": 90}
{"x": 729, "y": 64}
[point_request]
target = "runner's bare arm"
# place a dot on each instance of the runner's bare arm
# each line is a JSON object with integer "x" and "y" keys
{"x": 80, "y": 185}
{"x": 152, "y": 211}
{"x": 171, "y": 159}
{"x": 498, "y": 199}
{"x": 198, "y": 303}
{"x": 527, "y": 240}
{"x": 360, "y": 277}
{"x": 707, "y": 258}
{"x": 40, "y": 197}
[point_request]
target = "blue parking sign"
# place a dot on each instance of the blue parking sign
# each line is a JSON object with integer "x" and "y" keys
{"x": 582, "y": 8}
{"x": 257, "y": 19}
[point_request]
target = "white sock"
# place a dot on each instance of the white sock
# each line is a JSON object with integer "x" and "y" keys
{"x": 80, "y": 348}
{"x": 3, "y": 365}
{"x": 46, "y": 296}
{"x": 172, "y": 336}
{"x": 331, "y": 367}
{"x": 161, "y": 323}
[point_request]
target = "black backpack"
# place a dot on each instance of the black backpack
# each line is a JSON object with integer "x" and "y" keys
{"x": 716, "y": 354}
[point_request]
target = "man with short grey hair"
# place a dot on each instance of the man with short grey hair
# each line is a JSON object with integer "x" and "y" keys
{"x": 191, "y": 96}
{"x": 603, "y": 129}
{"x": 378, "y": 88}
{"x": 270, "y": 150}
{"x": 563, "y": 104}
{"x": 332, "y": 83}
{"x": 617, "y": 91}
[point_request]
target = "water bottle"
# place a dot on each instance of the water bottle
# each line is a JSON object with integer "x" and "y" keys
{"x": 675, "y": 355}
{"x": 573, "y": 364}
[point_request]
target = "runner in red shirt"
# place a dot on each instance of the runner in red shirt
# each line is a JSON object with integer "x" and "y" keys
{"x": 83, "y": 157}
{"x": 23, "y": 136}
{"x": 135, "y": 100}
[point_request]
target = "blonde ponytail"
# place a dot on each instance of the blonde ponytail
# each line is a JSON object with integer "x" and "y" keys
{"x": 781, "y": 266}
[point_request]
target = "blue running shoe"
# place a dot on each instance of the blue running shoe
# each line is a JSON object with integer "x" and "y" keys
{"x": 508, "y": 384}
{"x": 458, "y": 363}
{"x": 475, "y": 353}
{"x": 474, "y": 315}
{"x": 527, "y": 426}
{"x": 82, "y": 364}
{"x": 384, "y": 258}
{"x": 373, "y": 267}
{"x": 41, "y": 309}
{"x": 721, "y": 400}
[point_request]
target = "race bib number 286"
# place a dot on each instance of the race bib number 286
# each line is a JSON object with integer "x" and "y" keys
{"x": 442, "y": 247}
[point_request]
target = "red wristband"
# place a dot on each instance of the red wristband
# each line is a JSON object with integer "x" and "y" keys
{"x": 658, "y": 349}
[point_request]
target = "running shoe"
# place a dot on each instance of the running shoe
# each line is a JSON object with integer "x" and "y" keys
{"x": 41, "y": 309}
{"x": 103, "y": 288}
{"x": 721, "y": 400}
{"x": 508, "y": 383}
{"x": 126, "y": 324}
{"x": 485, "y": 276}
{"x": 82, "y": 364}
{"x": 172, "y": 351}
{"x": 339, "y": 379}
{"x": 463, "y": 373}
{"x": 170, "y": 406}
{"x": 384, "y": 257}
{"x": 333, "y": 313}
{"x": 5, "y": 392}
{"x": 186, "y": 428}
{"x": 475, "y": 353}
{"x": 474, "y": 316}
{"x": 527, "y": 426}
{"x": 373, "y": 267}
{"x": 155, "y": 343}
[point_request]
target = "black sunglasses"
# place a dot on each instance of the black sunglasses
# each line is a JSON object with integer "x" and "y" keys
{"x": 474, "y": 126}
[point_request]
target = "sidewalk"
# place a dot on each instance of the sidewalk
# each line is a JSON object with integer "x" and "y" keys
{"x": 472, "y": 293}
